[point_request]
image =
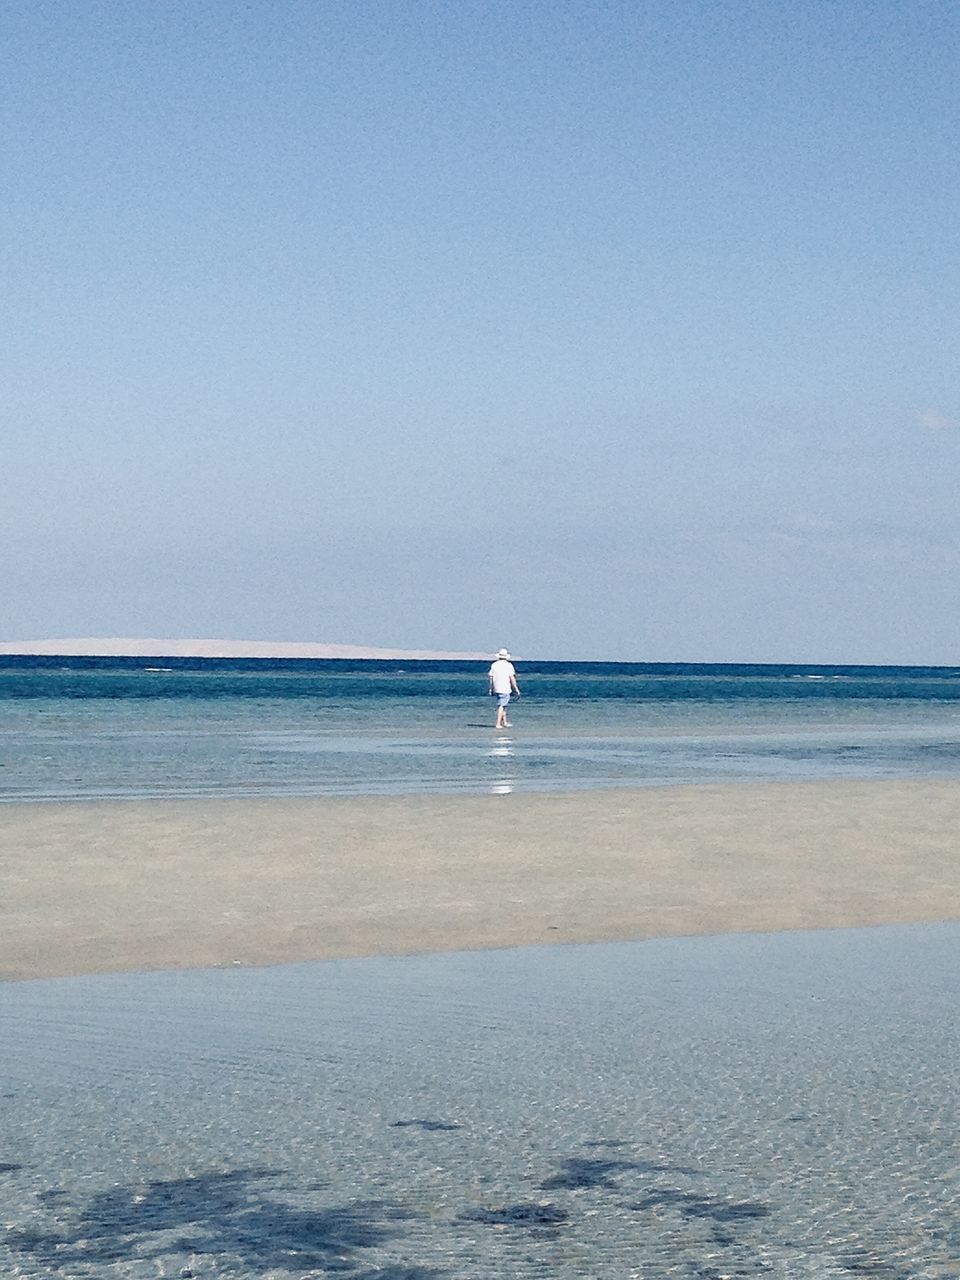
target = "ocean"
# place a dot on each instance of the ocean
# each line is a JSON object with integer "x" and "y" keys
{"x": 107, "y": 727}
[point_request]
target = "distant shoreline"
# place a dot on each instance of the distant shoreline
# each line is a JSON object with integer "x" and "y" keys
{"x": 125, "y": 647}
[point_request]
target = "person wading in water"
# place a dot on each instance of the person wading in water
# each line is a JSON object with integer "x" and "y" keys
{"x": 503, "y": 683}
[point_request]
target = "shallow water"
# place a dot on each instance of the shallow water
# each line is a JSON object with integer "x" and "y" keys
{"x": 775, "y": 1106}
{"x": 118, "y": 728}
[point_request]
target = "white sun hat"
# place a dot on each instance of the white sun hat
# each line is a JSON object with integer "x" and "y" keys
{"x": 502, "y": 653}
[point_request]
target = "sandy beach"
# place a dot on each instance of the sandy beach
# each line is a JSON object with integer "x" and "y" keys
{"x": 137, "y": 885}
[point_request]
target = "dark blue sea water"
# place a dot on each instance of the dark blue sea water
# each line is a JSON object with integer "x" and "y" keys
{"x": 98, "y": 727}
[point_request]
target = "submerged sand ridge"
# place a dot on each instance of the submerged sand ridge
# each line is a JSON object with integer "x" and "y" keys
{"x": 159, "y": 884}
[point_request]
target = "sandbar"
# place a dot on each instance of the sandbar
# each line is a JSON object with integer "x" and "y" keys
{"x": 91, "y": 887}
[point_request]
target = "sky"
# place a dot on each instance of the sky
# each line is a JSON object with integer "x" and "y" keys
{"x": 617, "y": 330}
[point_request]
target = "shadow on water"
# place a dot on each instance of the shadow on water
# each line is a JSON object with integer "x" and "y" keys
{"x": 874, "y": 1267}
{"x": 220, "y": 1214}
{"x": 578, "y": 1174}
{"x": 722, "y": 1216}
{"x": 428, "y": 1126}
{"x": 694, "y": 1206}
{"x": 398, "y": 1273}
{"x": 240, "y": 1219}
{"x": 542, "y": 1219}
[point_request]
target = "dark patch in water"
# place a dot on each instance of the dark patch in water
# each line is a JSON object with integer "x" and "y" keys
{"x": 526, "y": 1214}
{"x": 10, "y": 1168}
{"x": 398, "y": 1273}
{"x": 428, "y": 1126}
{"x": 876, "y": 1268}
{"x": 695, "y": 1206}
{"x": 221, "y": 1214}
{"x": 579, "y": 1174}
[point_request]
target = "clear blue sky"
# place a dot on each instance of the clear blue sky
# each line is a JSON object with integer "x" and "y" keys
{"x": 602, "y": 330}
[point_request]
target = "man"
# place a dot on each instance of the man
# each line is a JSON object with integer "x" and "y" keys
{"x": 503, "y": 682}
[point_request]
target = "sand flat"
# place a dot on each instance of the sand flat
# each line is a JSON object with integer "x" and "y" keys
{"x": 165, "y": 884}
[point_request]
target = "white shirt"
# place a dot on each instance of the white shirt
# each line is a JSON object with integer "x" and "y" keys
{"x": 500, "y": 674}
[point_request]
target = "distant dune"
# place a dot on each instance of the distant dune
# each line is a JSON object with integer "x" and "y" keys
{"x": 115, "y": 647}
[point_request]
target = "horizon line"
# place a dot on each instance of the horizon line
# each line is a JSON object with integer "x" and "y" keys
{"x": 204, "y": 649}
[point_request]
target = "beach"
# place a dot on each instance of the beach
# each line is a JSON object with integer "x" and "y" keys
{"x": 751, "y": 1074}
{"x": 130, "y": 885}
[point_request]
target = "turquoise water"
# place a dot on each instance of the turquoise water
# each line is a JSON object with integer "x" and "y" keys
{"x": 108, "y": 727}
{"x": 761, "y": 1106}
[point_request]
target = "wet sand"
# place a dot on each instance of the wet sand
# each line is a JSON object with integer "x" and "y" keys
{"x": 169, "y": 884}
